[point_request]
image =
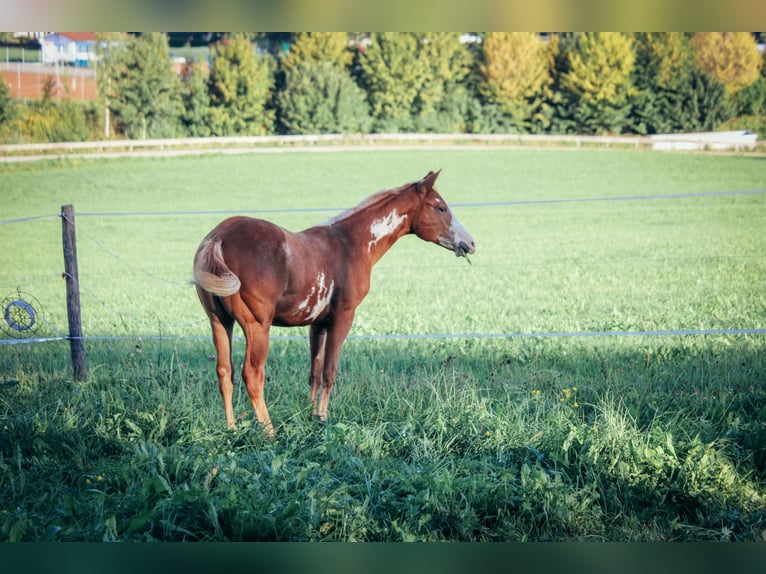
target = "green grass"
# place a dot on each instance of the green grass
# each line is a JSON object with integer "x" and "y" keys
{"x": 605, "y": 438}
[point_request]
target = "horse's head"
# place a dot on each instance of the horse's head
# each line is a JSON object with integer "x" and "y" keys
{"x": 435, "y": 222}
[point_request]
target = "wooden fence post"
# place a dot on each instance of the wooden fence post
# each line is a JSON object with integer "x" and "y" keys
{"x": 76, "y": 343}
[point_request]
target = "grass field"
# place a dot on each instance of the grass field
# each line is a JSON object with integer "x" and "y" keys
{"x": 464, "y": 438}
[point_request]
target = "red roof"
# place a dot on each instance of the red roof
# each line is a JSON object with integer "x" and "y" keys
{"x": 80, "y": 36}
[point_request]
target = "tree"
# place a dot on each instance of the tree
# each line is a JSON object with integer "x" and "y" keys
{"x": 664, "y": 62}
{"x": 240, "y": 89}
{"x": 445, "y": 64}
{"x": 703, "y": 104}
{"x": 751, "y": 101}
{"x": 663, "y": 58}
{"x": 672, "y": 93}
{"x": 141, "y": 87}
{"x": 196, "y": 100}
{"x": 110, "y": 48}
{"x": 318, "y": 97}
{"x": 392, "y": 74}
{"x": 515, "y": 72}
{"x": 409, "y": 76}
{"x": 5, "y": 101}
{"x": 325, "y": 58}
{"x": 730, "y": 58}
{"x": 318, "y": 47}
{"x": 598, "y": 84}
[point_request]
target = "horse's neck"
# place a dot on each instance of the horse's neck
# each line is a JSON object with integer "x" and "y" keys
{"x": 376, "y": 228}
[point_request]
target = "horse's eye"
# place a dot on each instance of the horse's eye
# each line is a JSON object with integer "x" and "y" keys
{"x": 442, "y": 209}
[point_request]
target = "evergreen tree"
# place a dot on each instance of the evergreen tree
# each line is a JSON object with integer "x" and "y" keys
{"x": 730, "y": 58}
{"x": 515, "y": 72}
{"x": 559, "y": 48}
{"x": 318, "y": 47}
{"x": 598, "y": 84}
{"x": 702, "y": 104}
{"x": 320, "y": 98}
{"x": 673, "y": 94}
{"x": 196, "y": 101}
{"x": 663, "y": 57}
{"x": 445, "y": 63}
{"x": 141, "y": 87}
{"x": 413, "y": 80}
{"x": 664, "y": 63}
{"x": 241, "y": 83}
{"x": 392, "y": 73}
{"x": 751, "y": 101}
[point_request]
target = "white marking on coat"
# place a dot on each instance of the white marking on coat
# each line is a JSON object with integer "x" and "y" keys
{"x": 383, "y": 227}
{"x": 323, "y": 295}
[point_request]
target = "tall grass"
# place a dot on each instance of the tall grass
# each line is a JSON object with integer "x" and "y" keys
{"x": 562, "y": 440}
{"x": 598, "y": 438}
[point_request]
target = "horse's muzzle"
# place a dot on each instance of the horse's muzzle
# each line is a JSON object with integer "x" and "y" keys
{"x": 459, "y": 240}
{"x": 462, "y": 241}
{"x": 464, "y": 249}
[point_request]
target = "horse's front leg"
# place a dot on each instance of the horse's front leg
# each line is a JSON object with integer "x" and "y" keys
{"x": 336, "y": 335}
{"x": 317, "y": 340}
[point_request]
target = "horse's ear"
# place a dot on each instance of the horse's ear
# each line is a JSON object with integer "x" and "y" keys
{"x": 428, "y": 181}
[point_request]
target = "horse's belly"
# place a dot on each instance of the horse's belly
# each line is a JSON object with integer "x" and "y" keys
{"x": 307, "y": 306}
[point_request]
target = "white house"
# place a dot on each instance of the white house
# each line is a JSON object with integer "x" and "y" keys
{"x": 76, "y": 48}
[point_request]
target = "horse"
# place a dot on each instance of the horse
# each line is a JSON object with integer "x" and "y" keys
{"x": 257, "y": 274}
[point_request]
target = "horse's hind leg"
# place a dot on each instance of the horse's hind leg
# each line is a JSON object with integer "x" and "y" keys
{"x": 222, "y": 330}
{"x": 253, "y": 370}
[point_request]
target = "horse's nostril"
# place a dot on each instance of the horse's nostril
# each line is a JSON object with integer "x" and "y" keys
{"x": 465, "y": 248}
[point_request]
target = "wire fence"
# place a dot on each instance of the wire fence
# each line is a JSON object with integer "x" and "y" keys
{"x": 19, "y": 305}
{"x": 487, "y": 204}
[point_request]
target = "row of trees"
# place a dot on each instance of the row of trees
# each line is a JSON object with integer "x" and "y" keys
{"x": 589, "y": 83}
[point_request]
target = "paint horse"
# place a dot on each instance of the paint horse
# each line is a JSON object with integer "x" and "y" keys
{"x": 257, "y": 274}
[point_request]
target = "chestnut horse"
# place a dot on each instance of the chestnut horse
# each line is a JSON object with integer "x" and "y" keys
{"x": 257, "y": 274}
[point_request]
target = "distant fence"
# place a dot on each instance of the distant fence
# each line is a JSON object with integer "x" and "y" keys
{"x": 741, "y": 140}
{"x": 27, "y": 81}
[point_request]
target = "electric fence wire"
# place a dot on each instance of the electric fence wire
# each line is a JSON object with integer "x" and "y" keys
{"x": 125, "y": 318}
{"x": 122, "y": 259}
{"x": 424, "y": 336}
{"x": 511, "y": 203}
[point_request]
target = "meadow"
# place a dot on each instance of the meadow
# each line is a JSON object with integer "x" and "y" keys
{"x": 442, "y": 426}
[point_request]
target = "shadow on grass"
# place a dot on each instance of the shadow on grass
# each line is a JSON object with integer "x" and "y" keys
{"x": 647, "y": 439}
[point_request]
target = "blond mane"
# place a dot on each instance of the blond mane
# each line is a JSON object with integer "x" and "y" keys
{"x": 374, "y": 199}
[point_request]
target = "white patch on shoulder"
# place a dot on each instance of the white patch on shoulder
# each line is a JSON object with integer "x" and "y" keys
{"x": 383, "y": 227}
{"x": 322, "y": 294}
{"x": 287, "y": 249}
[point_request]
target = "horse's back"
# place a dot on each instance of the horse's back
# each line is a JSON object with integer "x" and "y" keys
{"x": 248, "y": 229}
{"x": 252, "y": 247}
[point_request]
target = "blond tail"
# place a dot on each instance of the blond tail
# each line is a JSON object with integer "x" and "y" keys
{"x": 211, "y": 272}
